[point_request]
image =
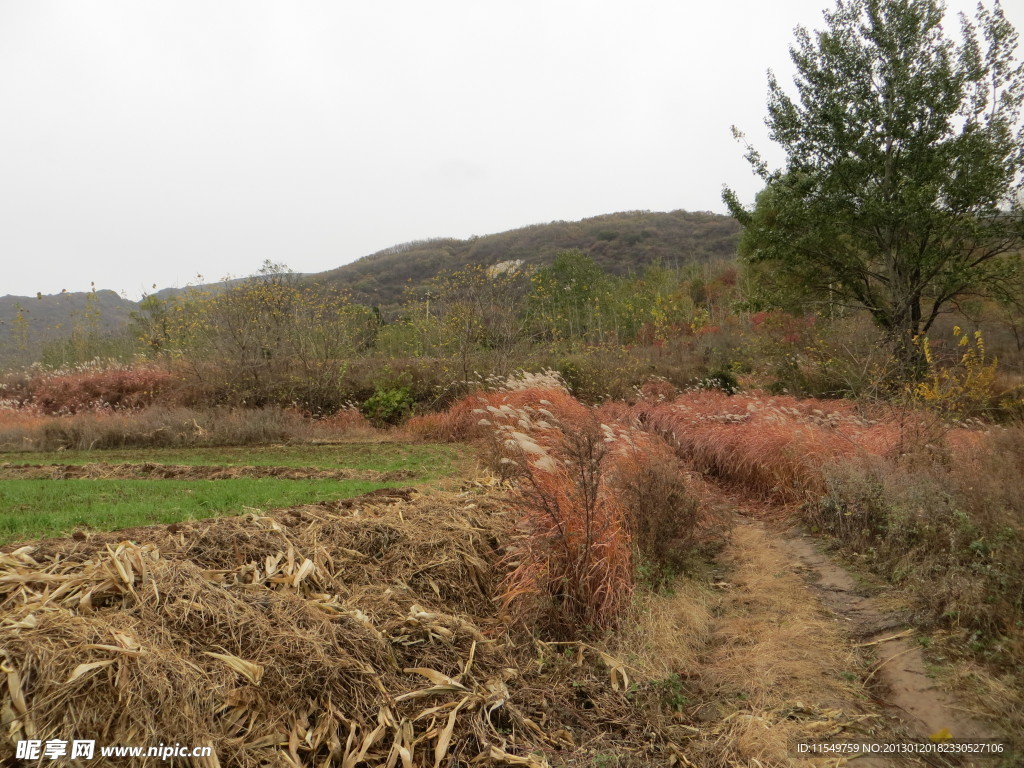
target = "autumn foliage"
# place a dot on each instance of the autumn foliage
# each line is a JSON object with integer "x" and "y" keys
{"x": 595, "y": 495}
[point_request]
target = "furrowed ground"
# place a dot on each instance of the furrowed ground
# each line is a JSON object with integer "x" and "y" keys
{"x": 626, "y": 585}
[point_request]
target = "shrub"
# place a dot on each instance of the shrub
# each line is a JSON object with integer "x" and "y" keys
{"x": 950, "y": 527}
{"x": 660, "y": 512}
{"x": 964, "y": 388}
{"x": 723, "y": 380}
{"x": 614, "y": 373}
{"x": 388, "y": 407}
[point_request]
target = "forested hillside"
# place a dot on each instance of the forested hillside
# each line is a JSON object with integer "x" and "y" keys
{"x": 70, "y": 327}
{"x": 29, "y": 323}
{"x": 620, "y": 243}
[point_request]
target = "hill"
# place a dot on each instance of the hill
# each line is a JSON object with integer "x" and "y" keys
{"x": 29, "y": 322}
{"x": 620, "y": 242}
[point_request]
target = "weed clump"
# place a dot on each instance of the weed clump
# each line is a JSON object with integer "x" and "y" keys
{"x": 660, "y": 511}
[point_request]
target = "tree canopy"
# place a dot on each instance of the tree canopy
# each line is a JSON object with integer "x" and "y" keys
{"x": 901, "y": 190}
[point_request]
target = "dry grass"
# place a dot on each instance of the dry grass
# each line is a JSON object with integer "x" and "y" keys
{"x": 100, "y": 385}
{"x": 668, "y": 632}
{"x": 352, "y": 633}
{"x": 933, "y": 506}
{"x": 380, "y": 634}
{"x": 594, "y": 493}
{"x": 998, "y": 695}
{"x": 747, "y": 666}
{"x": 461, "y": 422}
{"x": 572, "y": 569}
{"x": 948, "y": 526}
{"x": 24, "y": 429}
{"x": 778, "y": 655}
{"x": 774, "y": 671}
{"x": 775, "y": 446}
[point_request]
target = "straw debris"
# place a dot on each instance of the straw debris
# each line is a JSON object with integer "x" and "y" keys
{"x": 339, "y": 634}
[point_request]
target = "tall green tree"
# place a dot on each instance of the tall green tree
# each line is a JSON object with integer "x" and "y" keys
{"x": 901, "y": 190}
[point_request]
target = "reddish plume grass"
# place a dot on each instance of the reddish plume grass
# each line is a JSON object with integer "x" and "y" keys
{"x": 572, "y": 569}
{"x": 461, "y": 422}
{"x": 343, "y": 420}
{"x": 456, "y": 425}
{"x": 20, "y": 419}
{"x": 592, "y": 493}
{"x": 774, "y": 446}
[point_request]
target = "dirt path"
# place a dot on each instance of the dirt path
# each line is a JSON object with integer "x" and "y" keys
{"x": 900, "y": 673}
{"x": 771, "y": 571}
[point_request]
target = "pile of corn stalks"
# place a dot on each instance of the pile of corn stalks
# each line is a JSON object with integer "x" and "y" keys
{"x": 329, "y": 635}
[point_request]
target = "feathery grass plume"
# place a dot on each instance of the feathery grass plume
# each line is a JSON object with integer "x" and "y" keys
{"x": 461, "y": 421}
{"x": 99, "y": 385}
{"x": 572, "y": 563}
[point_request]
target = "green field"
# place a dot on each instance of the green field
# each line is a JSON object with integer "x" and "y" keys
{"x": 34, "y": 508}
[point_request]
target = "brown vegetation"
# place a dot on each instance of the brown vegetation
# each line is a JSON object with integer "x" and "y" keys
{"x": 160, "y": 426}
{"x": 357, "y": 633}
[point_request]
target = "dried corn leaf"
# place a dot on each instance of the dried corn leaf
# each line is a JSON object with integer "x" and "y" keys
{"x": 445, "y": 738}
{"x": 620, "y": 680}
{"x": 510, "y": 759}
{"x": 304, "y": 570}
{"x": 438, "y": 678}
{"x": 27, "y": 622}
{"x": 84, "y": 669}
{"x": 248, "y": 669}
{"x": 14, "y": 688}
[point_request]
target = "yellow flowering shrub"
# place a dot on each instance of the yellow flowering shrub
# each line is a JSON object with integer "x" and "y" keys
{"x": 962, "y": 388}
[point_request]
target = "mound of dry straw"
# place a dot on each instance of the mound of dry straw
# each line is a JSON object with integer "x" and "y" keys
{"x": 344, "y": 634}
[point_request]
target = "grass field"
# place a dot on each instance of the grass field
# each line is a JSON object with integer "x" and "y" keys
{"x": 33, "y": 508}
{"x": 36, "y": 508}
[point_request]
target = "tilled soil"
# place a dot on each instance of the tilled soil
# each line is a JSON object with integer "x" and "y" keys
{"x": 189, "y": 472}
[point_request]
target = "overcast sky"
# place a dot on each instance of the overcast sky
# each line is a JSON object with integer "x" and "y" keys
{"x": 146, "y": 143}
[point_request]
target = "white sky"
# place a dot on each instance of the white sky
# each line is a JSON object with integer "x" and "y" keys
{"x": 148, "y": 142}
